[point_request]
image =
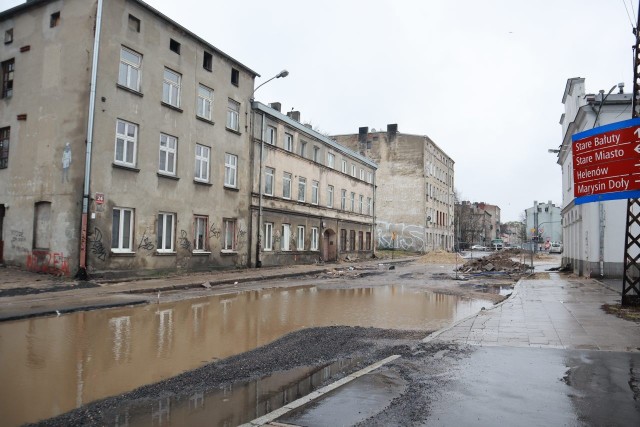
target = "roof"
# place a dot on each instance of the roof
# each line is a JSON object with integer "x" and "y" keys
{"x": 30, "y": 4}
{"x": 569, "y": 86}
{"x": 302, "y": 128}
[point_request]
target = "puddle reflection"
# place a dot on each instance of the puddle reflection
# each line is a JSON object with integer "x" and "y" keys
{"x": 52, "y": 365}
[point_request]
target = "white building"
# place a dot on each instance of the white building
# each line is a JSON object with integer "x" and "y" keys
{"x": 593, "y": 233}
{"x": 543, "y": 221}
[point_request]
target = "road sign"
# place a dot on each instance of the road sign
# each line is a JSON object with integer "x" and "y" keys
{"x": 606, "y": 162}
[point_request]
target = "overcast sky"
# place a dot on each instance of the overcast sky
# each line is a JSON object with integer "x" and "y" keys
{"x": 483, "y": 79}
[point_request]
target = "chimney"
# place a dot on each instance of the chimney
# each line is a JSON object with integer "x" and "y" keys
{"x": 294, "y": 115}
{"x": 362, "y": 134}
{"x": 276, "y": 106}
{"x": 392, "y": 130}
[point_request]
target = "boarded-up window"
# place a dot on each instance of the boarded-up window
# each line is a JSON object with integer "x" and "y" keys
{"x": 42, "y": 225}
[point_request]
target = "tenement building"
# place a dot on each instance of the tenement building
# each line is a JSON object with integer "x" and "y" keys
{"x": 312, "y": 199}
{"x": 414, "y": 194}
{"x": 124, "y": 143}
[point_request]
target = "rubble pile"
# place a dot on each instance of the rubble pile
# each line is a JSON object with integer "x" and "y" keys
{"x": 439, "y": 256}
{"x": 497, "y": 261}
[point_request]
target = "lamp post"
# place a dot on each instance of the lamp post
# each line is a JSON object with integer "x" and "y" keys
{"x": 281, "y": 74}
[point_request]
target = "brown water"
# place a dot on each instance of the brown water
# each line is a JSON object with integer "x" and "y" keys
{"x": 49, "y": 366}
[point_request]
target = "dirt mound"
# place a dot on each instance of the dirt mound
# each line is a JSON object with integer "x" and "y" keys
{"x": 440, "y": 257}
{"x": 497, "y": 261}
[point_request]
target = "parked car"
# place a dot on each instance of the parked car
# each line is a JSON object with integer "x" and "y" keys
{"x": 555, "y": 248}
{"x": 478, "y": 248}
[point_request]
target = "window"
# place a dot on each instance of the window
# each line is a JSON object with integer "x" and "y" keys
{"x": 166, "y": 223}
{"x": 129, "y": 73}
{"x": 343, "y": 199}
{"x": 288, "y": 142}
{"x": 134, "y": 24}
{"x": 300, "y": 245}
{"x": 8, "y": 36}
{"x": 368, "y": 241}
{"x": 229, "y": 243}
{"x": 353, "y": 201}
{"x": 361, "y": 203}
{"x": 331, "y": 160}
{"x": 126, "y": 143}
{"x": 271, "y": 135}
{"x": 368, "y": 205}
{"x": 362, "y": 174}
{"x": 122, "y": 230}
{"x": 343, "y": 239}
{"x": 207, "y": 61}
{"x": 202, "y": 163}
{"x": 314, "y": 192}
{"x": 303, "y": 148}
{"x": 54, "y": 19}
{"x": 369, "y": 177}
{"x": 344, "y": 166}
{"x": 235, "y": 77}
{"x": 316, "y": 154}
{"x": 174, "y": 46}
{"x": 7, "y": 78}
{"x": 200, "y": 238}
{"x": 42, "y": 225}
{"x": 360, "y": 241}
{"x": 302, "y": 189}
{"x": 171, "y": 88}
{"x": 286, "y": 236}
{"x": 205, "y": 100}
{"x": 230, "y": 169}
{"x": 353, "y": 171}
{"x": 233, "y": 115}
{"x": 168, "y": 150}
{"x": 5, "y": 133}
{"x": 286, "y": 185}
{"x": 352, "y": 240}
{"x": 268, "y": 236}
{"x": 268, "y": 181}
{"x": 330, "y": 196}
{"x": 314, "y": 238}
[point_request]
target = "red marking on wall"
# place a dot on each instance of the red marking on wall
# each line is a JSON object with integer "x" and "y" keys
{"x": 48, "y": 262}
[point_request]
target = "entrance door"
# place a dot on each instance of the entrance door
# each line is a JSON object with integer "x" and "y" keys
{"x": 329, "y": 248}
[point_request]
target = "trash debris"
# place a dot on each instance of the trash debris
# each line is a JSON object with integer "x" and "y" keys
{"x": 207, "y": 285}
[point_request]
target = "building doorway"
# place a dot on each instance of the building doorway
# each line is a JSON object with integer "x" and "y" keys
{"x": 329, "y": 247}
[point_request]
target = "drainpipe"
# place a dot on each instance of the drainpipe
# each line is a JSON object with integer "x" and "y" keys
{"x": 601, "y": 246}
{"x": 373, "y": 208}
{"x": 259, "y": 231}
{"x": 82, "y": 271}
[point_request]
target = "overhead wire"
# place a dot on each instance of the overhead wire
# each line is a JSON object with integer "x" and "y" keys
{"x": 627, "y": 9}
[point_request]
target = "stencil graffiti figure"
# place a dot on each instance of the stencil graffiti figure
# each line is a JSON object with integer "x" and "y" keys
{"x": 66, "y": 162}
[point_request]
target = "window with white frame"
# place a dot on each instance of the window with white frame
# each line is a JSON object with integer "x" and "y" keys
{"x": 353, "y": 201}
{"x": 344, "y": 166}
{"x": 303, "y": 148}
{"x": 202, "y": 163}
{"x": 369, "y": 205}
{"x": 269, "y": 176}
{"x": 122, "y": 230}
{"x": 126, "y": 143}
{"x": 286, "y": 185}
{"x": 204, "y": 102}
{"x": 233, "y": 115}
{"x": 129, "y": 72}
{"x": 168, "y": 151}
{"x": 229, "y": 228}
{"x": 353, "y": 171}
{"x": 302, "y": 189}
{"x": 230, "y": 170}
{"x": 330, "y": 196}
{"x": 370, "y": 177}
{"x": 166, "y": 222}
{"x": 316, "y": 154}
{"x": 331, "y": 160}
{"x": 300, "y": 244}
{"x": 268, "y": 236}
{"x": 343, "y": 199}
{"x": 288, "y": 142}
{"x": 272, "y": 135}
{"x": 314, "y": 192}
{"x": 171, "y": 88}
{"x": 362, "y": 174}
{"x": 314, "y": 238}
{"x": 285, "y": 237}
{"x": 200, "y": 226}
{"x": 361, "y": 202}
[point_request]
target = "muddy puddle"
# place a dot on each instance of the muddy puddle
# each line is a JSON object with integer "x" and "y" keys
{"x": 49, "y": 366}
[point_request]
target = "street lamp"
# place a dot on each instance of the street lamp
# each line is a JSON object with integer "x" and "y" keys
{"x": 283, "y": 73}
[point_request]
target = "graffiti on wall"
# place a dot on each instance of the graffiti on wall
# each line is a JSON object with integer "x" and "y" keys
{"x": 241, "y": 237}
{"x": 408, "y": 237}
{"x": 185, "y": 243}
{"x": 44, "y": 261}
{"x": 214, "y": 231}
{"x": 145, "y": 242}
{"x": 18, "y": 240}
{"x": 97, "y": 247}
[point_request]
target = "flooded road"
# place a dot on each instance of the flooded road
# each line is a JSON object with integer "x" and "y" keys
{"x": 49, "y": 366}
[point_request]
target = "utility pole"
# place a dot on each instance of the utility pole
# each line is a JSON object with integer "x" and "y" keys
{"x": 631, "y": 275}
